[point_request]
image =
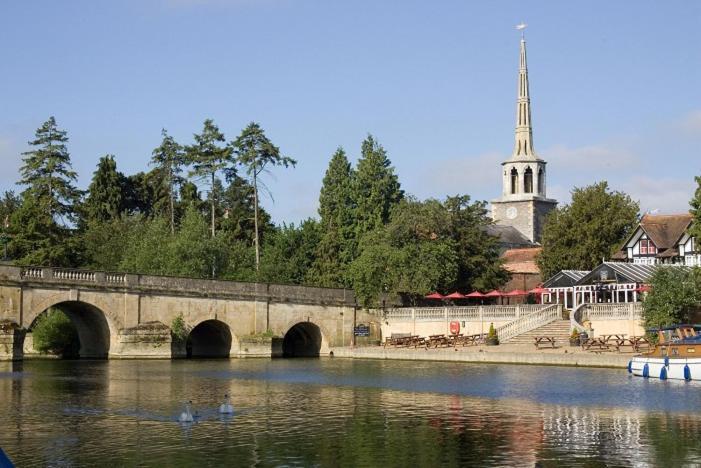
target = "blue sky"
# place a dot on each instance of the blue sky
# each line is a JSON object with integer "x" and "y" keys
{"x": 615, "y": 87}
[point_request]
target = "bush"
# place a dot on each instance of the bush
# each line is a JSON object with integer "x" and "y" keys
{"x": 675, "y": 294}
{"x": 54, "y": 333}
{"x": 178, "y": 329}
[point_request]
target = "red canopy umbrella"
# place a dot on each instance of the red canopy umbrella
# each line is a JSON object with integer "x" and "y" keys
{"x": 539, "y": 290}
{"x": 455, "y": 295}
{"x": 434, "y": 295}
{"x": 494, "y": 293}
{"x": 475, "y": 294}
{"x": 643, "y": 288}
{"x": 516, "y": 292}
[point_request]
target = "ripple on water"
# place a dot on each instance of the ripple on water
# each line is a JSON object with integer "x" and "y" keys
{"x": 344, "y": 413}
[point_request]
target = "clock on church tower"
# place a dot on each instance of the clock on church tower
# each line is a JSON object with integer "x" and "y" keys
{"x": 523, "y": 203}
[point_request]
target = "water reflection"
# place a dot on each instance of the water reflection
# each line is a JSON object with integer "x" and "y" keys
{"x": 342, "y": 413}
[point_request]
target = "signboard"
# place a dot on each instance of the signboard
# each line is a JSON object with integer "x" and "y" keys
{"x": 361, "y": 330}
{"x": 454, "y": 328}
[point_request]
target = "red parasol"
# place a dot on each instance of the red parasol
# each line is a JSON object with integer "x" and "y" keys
{"x": 643, "y": 288}
{"x": 434, "y": 295}
{"x": 475, "y": 294}
{"x": 539, "y": 290}
{"x": 494, "y": 293}
{"x": 516, "y": 292}
{"x": 455, "y": 295}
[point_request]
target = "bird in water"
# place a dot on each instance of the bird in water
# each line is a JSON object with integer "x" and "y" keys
{"x": 225, "y": 407}
{"x": 186, "y": 416}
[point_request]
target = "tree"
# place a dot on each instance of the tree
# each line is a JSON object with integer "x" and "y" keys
{"x": 695, "y": 203}
{"x": 238, "y": 223}
{"x": 288, "y": 253}
{"x": 148, "y": 248}
{"x": 255, "y": 152}
{"x": 207, "y": 158}
{"x": 336, "y": 248}
{"x": 104, "y": 244}
{"x": 8, "y": 205}
{"x": 47, "y": 172}
{"x": 412, "y": 255}
{"x": 55, "y": 333}
{"x": 479, "y": 263}
{"x": 579, "y": 235}
{"x": 193, "y": 253}
{"x": 675, "y": 293}
{"x": 169, "y": 157}
{"x": 376, "y": 188}
{"x": 105, "y": 200}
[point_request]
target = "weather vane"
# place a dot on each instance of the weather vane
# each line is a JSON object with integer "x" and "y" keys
{"x": 521, "y": 27}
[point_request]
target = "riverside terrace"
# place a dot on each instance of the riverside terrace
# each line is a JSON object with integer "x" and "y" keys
{"x": 120, "y": 315}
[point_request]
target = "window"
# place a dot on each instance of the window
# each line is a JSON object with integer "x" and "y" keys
{"x": 541, "y": 182}
{"x": 514, "y": 180}
{"x": 528, "y": 181}
{"x": 647, "y": 247}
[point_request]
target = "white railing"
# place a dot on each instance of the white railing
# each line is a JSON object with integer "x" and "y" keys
{"x": 116, "y": 278}
{"x": 625, "y": 311}
{"x": 529, "y": 322}
{"x": 34, "y": 273}
{"x": 576, "y": 318}
{"x": 74, "y": 275}
{"x": 495, "y": 313}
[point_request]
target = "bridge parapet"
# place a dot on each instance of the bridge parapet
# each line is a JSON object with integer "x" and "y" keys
{"x": 175, "y": 285}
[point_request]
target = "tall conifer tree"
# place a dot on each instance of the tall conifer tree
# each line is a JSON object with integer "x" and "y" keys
{"x": 169, "y": 157}
{"x": 105, "y": 199}
{"x": 376, "y": 188}
{"x": 255, "y": 152}
{"x": 207, "y": 158}
{"x": 336, "y": 247}
{"x": 48, "y": 174}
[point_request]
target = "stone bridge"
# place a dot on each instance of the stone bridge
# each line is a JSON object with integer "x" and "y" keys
{"x": 120, "y": 315}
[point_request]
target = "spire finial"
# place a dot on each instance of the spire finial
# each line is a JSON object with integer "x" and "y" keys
{"x": 523, "y": 148}
{"x": 522, "y": 27}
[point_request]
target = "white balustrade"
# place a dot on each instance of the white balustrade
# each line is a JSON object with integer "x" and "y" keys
{"x": 34, "y": 273}
{"x": 528, "y": 322}
{"x": 116, "y": 278}
{"x": 74, "y": 275}
{"x": 495, "y": 313}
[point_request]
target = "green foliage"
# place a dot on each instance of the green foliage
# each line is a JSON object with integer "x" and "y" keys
{"x": 105, "y": 200}
{"x": 169, "y": 158}
{"x": 178, "y": 329}
{"x": 104, "y": 244}
{"x": 337, "y": 245}
{"x": 479, "y": 263}
{"x": 675, "y": 293}
{"x": 577, "y": 236}
{"x": 288, "y": 253}
{"x": 376, "y": 188}
{"x": 54, "y": 333}
{"x": 47, "y": 173}
{"x": 255, "y": 152}
{"x": 207, "y": 157}
{"x": 695, "y": 202}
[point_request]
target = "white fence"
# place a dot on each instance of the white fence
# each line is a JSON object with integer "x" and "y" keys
{"x": 629, "y": 311}
{"x": 468, "y": 314}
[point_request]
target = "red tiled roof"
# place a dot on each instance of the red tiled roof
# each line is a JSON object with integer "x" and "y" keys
{"x": 521, "y": 260}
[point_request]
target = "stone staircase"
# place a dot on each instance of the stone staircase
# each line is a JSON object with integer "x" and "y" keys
{"x": 560, "y": 329}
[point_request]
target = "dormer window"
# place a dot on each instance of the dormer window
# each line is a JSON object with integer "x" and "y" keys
{"x": 647, "y": 247}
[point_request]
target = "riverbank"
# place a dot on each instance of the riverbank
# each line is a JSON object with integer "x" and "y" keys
{"x": 502, "y": 354}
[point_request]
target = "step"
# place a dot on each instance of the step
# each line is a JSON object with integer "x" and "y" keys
{"x": 560, "y": 329}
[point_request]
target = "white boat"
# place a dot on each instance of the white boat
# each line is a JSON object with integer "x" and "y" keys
{"x": 674, "y": 356}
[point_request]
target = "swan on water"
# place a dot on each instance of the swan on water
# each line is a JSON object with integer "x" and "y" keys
{"x": 225, "y": 407}
{"x": 186, "y": 416}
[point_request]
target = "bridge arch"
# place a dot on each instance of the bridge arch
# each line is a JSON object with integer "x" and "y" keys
{"x": 94, "y": 326}
{"x": 304, "y": 339}
{"x": 209, "y": 339}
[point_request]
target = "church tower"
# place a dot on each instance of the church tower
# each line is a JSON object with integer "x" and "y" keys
{"x": 523, "y": 203}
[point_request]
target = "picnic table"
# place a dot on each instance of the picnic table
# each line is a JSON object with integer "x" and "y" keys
{"x": 437, "y": 340}
{"x": 599, "y": 344}
{"x": 634, "y": 342}
{"x": 404, "y": 341}
{"x": 544, "y": 341}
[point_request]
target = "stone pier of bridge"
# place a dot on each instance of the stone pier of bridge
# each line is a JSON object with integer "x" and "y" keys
{"x": 121, "y": 315}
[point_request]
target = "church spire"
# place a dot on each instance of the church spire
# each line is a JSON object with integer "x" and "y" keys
{"x": 523, "y": 147}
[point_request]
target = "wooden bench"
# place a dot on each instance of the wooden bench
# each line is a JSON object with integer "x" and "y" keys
{"x": 544, "y": 341}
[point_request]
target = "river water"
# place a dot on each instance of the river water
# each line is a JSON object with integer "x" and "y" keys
{"x": 337, "y": 412}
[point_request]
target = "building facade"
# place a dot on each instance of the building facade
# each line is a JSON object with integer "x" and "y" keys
{"x": 523, "y": 204}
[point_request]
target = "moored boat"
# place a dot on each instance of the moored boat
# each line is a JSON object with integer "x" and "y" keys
{"x": 677, "y": 355}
